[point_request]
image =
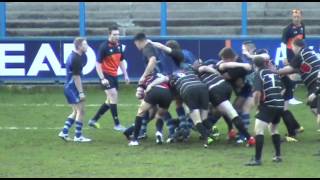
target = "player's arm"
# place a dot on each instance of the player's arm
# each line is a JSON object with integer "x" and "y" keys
{"x": 285, "y": 35}
{"x": 101, "y": 54}
{"x": 286, "y": 70}
{"x": 123, "y": 69}
{"x": 161, "y": 46}
{"x": 76, "y": 72}
{"x": 208, "y": 69}
{"x": 258, "y": 88}
{"x": 159, "y": 80}
{"x": 228, "y": 65}
{"x": 177, "y": 55}
{"x": 316, "y": 93}
{"x": 149, "y": 69}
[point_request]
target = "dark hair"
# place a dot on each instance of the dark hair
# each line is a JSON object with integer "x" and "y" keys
{"x": 299, "y": 43}
{"x": 113, "y": 28}
{"x": 259, "y": 61}
{"x": 140, "y": 37}
{"x": 173, "y": 44}
{"x": 247, "y": 42}
{"x": 261, "y": 51}
{"x": 227, "y": 53}
{"x": 78, "y": 42}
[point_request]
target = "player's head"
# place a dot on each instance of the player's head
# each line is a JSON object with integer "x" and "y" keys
{"x": 263, "y": 53}
{"x": 249, "y": 46}
{"x": 296, "y": 16}
{"x": 114, "y": 34}
{"x": 259, "y": 62}
{"x": 297, "y": 45}
{"x": 173, "y": 44}
{"x": 80, "y": 44}
{"x": 140, "y": 40}
{"x": 227, "y": 54}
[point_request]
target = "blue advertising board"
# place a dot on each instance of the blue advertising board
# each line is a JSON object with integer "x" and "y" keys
{"x": 44, "y": 59}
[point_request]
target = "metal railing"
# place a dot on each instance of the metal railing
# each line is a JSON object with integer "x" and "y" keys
{"x": 82, "y": 19}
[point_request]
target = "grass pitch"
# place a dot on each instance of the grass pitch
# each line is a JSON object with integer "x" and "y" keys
{"x": 31, "y": 120}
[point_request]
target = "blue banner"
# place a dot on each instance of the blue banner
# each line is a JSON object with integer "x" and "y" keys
{"x": 36, "y": 60}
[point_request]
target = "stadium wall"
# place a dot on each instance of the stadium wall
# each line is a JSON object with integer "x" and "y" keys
{"x": 42, "y": 60}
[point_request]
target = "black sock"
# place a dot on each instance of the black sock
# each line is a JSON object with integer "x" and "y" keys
{"x": 159, "y": 125}
{"x": 114, "y": 112}
{"x": 288, "y": 121}
{"x": 228, "y": 122}
{"x": 295, "y": 123}
{"x": 202, "y": 130}
{"x": 137, "y": 127}
{"x": 259, "y": 146}
{"x": 129, "y": 131}
{"x": 240, "y": 126}
{"x": 276, "y": 143}
{"x": 103, "y": 109}
{"x": 207, "y": 124}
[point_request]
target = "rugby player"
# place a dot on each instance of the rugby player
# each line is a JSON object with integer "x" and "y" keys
{"x": 73, "y": 91}
{"x": 294, "y": 30}
{"x": 307, "y": 63}
{"x": 220, "y": 93}
{"x": 270, "y": 102}
{"x": 110, "y": 57}
{"x": 236, "y": 76}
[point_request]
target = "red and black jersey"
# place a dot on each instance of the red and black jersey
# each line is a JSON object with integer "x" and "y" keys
{"x": 110, "y": 55}
{"x": 150, "y": 78}
{"x": 292, "y": 32}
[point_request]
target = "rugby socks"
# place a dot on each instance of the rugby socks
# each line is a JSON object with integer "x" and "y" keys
{"x": 207, "y": 124}
{"x": 129, "y": 131}
{"x": 245, "y": 119}
{"x": 295, "y": 124}
{"x": 228, "y": 122}
{"x": 180, "y": 112}
{"x": 170, "y": 124}
{"x": 78, "y": 129}
{"x": 259, "y": 146}
{"x": 67, "y": 125}
{"x": 202, "y": 130}
{"x": 114, "y": 112}
{"x": 145, "y": 121}
{"x": 240, "y": 126}
{"x": 288, "y": 121}
{"x": 276, "y": 143}
{"x": 213, "y": 119}
{"x": 103, "y": 109}
{"x": 137, "y": 127}
{"x": 159, "y": 125}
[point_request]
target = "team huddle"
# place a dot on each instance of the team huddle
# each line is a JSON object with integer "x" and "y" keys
{"x": 201, "y": 91}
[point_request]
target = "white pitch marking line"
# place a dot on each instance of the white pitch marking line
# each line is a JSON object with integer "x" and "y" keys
{"x": 31, "y": 128}
{"x": 60, "y": 105}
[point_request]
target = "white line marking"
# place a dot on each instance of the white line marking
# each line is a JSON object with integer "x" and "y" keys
{"x": 31, "y": 128}
{"x": 60, "y": 105}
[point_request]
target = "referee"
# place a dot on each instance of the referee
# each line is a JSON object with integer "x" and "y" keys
{"x": 295, "y": 30}
{"x": 110, "y": 58}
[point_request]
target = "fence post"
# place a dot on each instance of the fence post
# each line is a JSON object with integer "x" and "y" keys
{"x": 3, "y": 19}
{"x": 244, "y": 20}
{"x": 82, "y": 18}
{"x": 163, "y": 19}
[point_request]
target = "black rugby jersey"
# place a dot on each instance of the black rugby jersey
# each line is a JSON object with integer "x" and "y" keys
{"x": 308, "y": 63}
{"x": 211, "y": 79}
{"x": 185, "y": 79}
{"x": 269, "y": 84}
